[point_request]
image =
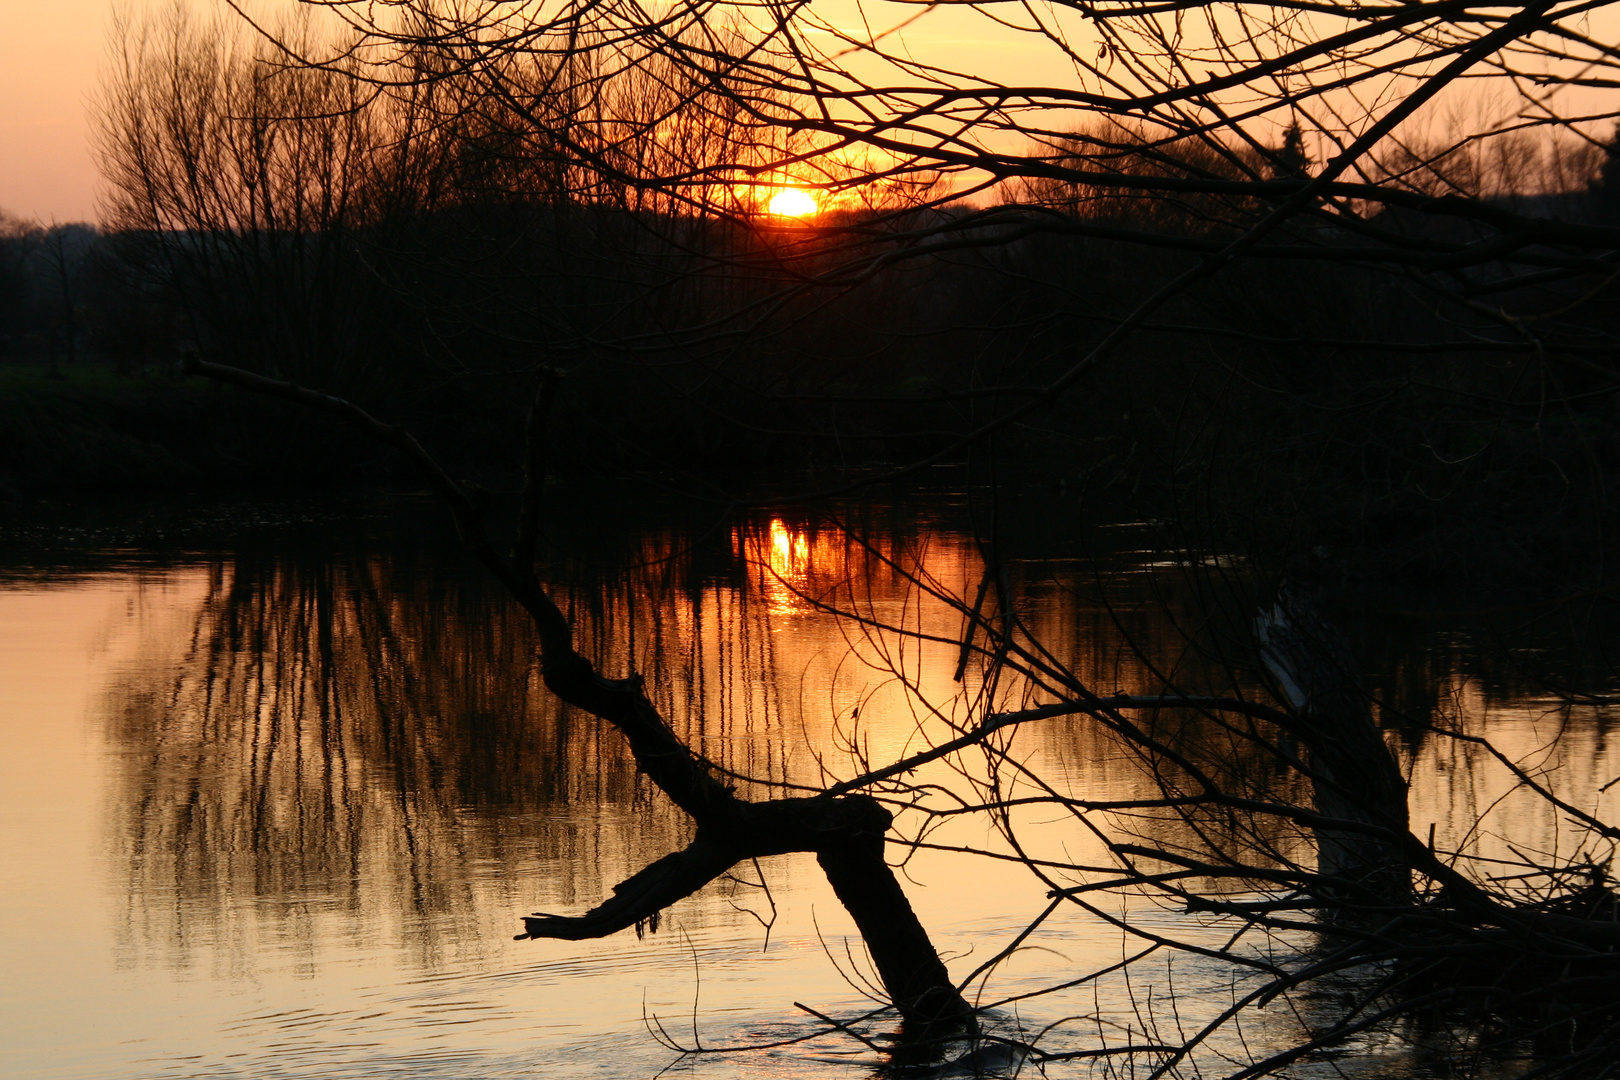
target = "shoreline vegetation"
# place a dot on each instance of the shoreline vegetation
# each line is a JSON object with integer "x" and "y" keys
{"x": 90, "y": 430}
{"x": 1419, "y": 482}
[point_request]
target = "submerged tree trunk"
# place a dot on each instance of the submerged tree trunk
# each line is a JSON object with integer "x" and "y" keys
{"x": 1354, "y": 778}
{"x": 846, "y": 834}
{"x": 911, "y": 970}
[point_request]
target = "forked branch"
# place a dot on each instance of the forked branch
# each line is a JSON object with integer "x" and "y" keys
{"x": 845, "y": 833}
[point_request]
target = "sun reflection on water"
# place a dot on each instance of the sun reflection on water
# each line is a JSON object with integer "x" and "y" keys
{"x": 790, "y": 551}
{"x": 791, "y": 563}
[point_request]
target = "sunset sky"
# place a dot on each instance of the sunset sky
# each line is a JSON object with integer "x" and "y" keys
{"x": 49, "y": 53}
{"x": 52, "y": 50}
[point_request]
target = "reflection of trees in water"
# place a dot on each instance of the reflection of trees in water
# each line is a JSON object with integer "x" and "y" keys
{"x": 356, "y": 734}
{"x": 314, "y": 747}
{"x": 363, "y": 736}
{"x": 1459, "y": 672}
{"x": 1482, "y": 667}
{"x": 359, "y": 735}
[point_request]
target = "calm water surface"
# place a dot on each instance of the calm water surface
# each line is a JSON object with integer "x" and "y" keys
{"x": 277, "y": 783}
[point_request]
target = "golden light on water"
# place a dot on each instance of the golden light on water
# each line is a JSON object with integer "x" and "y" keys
{"x": 793, "y": 203}
{"x": 790, "y": 551}
{"x": 784, "y": 556}
{"x": 224, "y": 790}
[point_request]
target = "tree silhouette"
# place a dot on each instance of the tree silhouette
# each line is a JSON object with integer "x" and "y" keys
{"x": 1291, "y": 160}
{"x": 1278, "y": 805}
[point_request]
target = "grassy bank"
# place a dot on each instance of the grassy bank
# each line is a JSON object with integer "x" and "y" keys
{"x": 95, "y": 429}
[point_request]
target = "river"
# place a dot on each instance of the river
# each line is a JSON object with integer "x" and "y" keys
{"x": 278, "y": 781}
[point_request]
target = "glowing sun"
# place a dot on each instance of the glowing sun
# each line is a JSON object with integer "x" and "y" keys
{"x": 791, "y": 202}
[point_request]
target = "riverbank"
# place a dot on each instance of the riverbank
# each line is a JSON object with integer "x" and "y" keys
{"x": 1436, "y": 495}
{"x": 94, "y": 429}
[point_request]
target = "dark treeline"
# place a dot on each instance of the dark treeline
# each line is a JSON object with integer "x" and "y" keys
{"x": 420, "y": 255}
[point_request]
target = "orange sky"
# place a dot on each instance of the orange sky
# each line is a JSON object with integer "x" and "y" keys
{"x": 49, "y": 52}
